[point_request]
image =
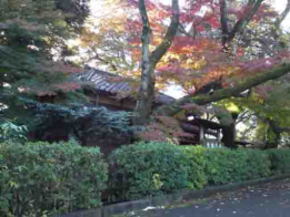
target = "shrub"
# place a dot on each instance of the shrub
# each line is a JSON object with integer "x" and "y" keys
{"x": 196, "y": 166}
{"x": 81, "y": 121}
{"x": 11, "y": 132}
{"x": 153, "y": 168}
{"x": 223, "y": 166}
{"x": 44, "y": 179}
{"x": 227, "y": 166}
{"x": 148, "y": 169}
{"x": 280, "y": 161}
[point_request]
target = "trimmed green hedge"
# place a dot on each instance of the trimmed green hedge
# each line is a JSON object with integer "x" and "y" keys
{"x": 280, "y": 160}
{"x": 228, "y": 166}
{"x": 43, "y": 179}
{"x": 195, "y": 156}
{"x": 152, "y": 168}
{"x": 148, "y": 169}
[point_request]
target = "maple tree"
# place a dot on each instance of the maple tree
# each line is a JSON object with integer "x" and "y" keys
{"x": 229, "y": 45}
{"x": 196, "y": 53}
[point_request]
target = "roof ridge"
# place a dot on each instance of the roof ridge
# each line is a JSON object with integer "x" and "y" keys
{"x": 101, "y": 82}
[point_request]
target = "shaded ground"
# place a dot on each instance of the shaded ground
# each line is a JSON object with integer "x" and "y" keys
{"x": 268, "y": 200}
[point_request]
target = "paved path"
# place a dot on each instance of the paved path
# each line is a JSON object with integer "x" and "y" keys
{"x": 268, "y": 200}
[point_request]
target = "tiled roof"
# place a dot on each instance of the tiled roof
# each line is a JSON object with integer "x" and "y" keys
{"x": 103, "y": 81}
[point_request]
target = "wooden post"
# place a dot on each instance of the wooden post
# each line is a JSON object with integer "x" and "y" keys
{"x": 219, "y": 138}
{"x": 201, "y": 135}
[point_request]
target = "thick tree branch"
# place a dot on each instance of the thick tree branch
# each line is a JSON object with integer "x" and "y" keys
{"x": 283, "y": 15}
{"x": 242, "y": 22}
{"x": 224, "y": 20}
{"x": 182, "y": 30}
{"x": 146, "y": 30}
{"x": 225, "y": 92}
{"x": 169, "y": 36}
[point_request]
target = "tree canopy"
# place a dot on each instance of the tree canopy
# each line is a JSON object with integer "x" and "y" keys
{"x": 33, "y": 46}
{"x": 214, "y": 50}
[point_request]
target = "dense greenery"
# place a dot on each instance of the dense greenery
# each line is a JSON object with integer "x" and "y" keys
{"x": 230, "y": 71}
{"x": 40, "y": 178}
{"x": 196, "y": 164}
{"x": 57, "y": 122}
{"x": 33, "y": 47}
{"x": 149, "y": 169}
{"x": 10, "y": 132}
{"x": 227, "y": 166}
{"x": 280, "y": 161}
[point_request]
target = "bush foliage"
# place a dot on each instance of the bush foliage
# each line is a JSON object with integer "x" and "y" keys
{"x": 196, "y": 164}
{"x": 227, "y": 166}
{"x": 10, "y": 132}
{"x": 79, "y": 121}
{"x": 280, "y": 160}
{"x": 42, "y": 179}
{"x": 148, "y": 169}
{"x": 39, "y": 179}
{"x": 151, "y": 168}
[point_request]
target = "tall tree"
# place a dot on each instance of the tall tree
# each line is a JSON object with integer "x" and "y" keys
{"x": 196, "y": 58}
{"x": 149, "y": 60}
{"x": 33, "y": 36}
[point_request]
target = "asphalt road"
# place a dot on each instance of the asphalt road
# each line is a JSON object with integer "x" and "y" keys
{"x": 268, "y": 200}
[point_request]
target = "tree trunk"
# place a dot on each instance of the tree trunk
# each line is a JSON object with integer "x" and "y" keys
{"x": 149, "y": 61}
{"x": 146, "y": 90}
{"x": 229, "y": 135}
{"x": 146, "y": 96}
{"x": 274, "y": 135}
{"x": 229, "y": 132}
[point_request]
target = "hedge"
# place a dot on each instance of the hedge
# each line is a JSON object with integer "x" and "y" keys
{"x": 154, "y": 168}
{"x": 43, "y": 179}
{"x": 280, "y": 161}
{"x": 196, "y": 166}
{"x": 148, "y": 169}
{"x": 228, "y": 166}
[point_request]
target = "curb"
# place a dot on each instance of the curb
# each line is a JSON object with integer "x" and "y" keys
{"x": 119, "y": 208}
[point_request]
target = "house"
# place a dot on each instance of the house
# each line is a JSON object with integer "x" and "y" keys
{"x": 115, "y": 93}
{"x": 204, "y": 132}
